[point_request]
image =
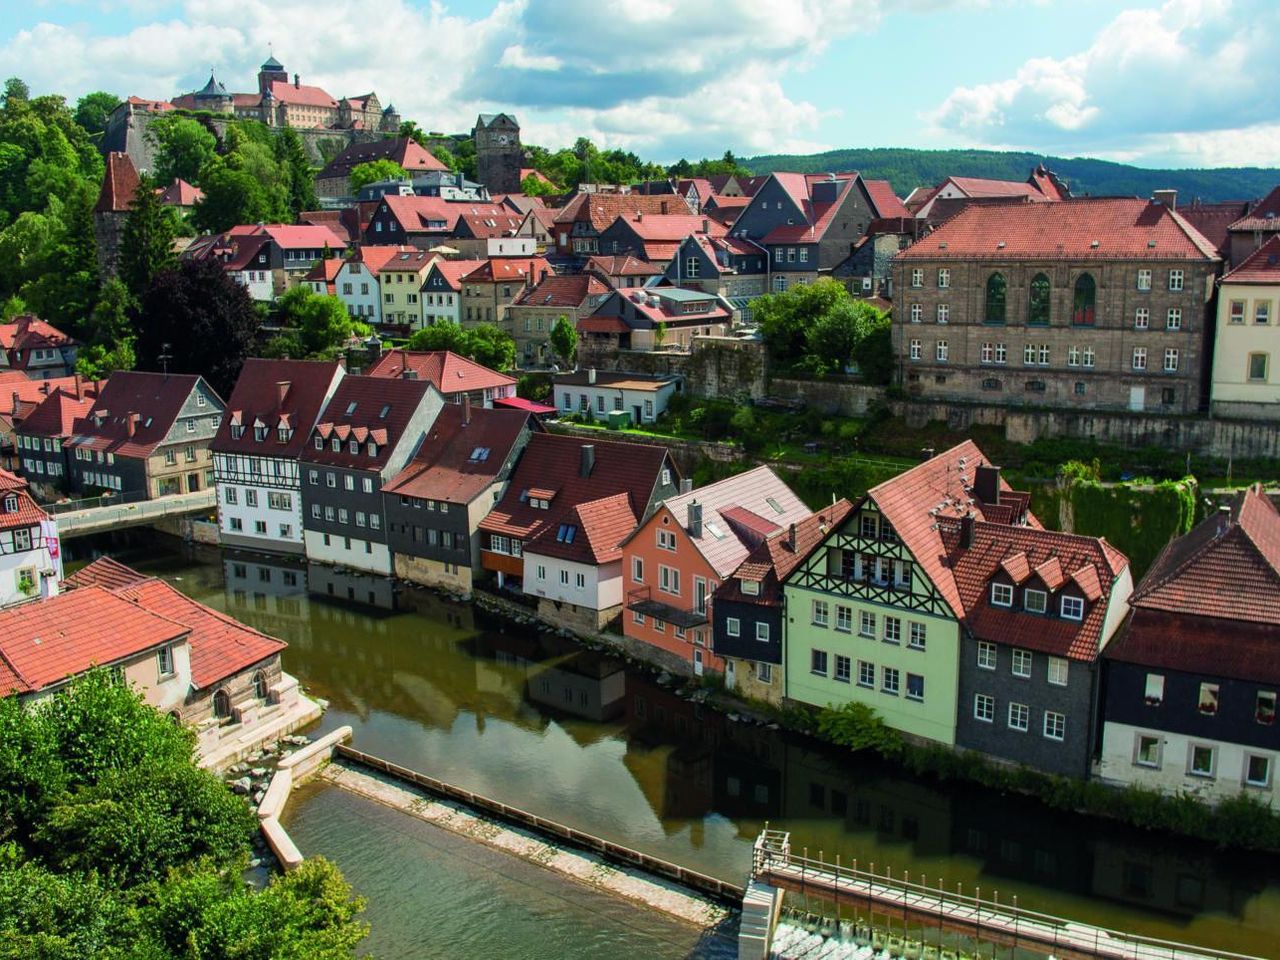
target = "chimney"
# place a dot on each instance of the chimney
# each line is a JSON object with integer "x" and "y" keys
{"x": 662, "y": 205}
{"x": 686, "y": 485}
{"x": 591, "y": 376}
{"x": 986, "y": 484}
{"x": 409, "y": 374}
{"x": 1224, "y": 518}
{"x": 295, "y": 81}
{"x": 1167, "y": 197}
{"x": 695, "y": 520}
{"x": 44, "y": 387}
{"x": 791, "y": 538}
{"x": 130, "y": 423}
{"x": 706, "y": 225}
{"x": 639, "y": 216}
{"x": 926, "y": 453}
{"x": 588, "y": 460}
{"x": 966, "y": 531}
{"x": 79, "y": 387}
{"x": 16, "y": 401}
{"x": 282, "y": 391}
{"x": 466, "y": 409}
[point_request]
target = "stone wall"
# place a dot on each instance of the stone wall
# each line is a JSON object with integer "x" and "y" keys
{"x": 830, "y": 396}
{"x": 726, "y": 368}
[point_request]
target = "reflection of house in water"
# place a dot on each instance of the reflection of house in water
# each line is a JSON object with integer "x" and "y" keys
{"x": 748, "y": 775}
{"x": 345, "y": 583}
{"x": 1009, "y": 844}
{"x": 274, "y": 588}
{"x": 586, "y": 685}
{"x": 1173, "y": 880}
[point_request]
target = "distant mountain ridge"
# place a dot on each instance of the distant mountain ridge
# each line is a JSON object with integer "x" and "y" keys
{"x": 907, "y": 169}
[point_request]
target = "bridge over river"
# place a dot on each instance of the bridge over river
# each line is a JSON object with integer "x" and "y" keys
{"x": 80, "y": 518}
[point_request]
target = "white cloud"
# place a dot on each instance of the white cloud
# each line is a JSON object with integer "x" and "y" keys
{"x": 518, "y": 57}
{"x": 1179, "y": 79}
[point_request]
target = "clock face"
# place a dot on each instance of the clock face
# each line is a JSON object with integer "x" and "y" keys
{"x": 502, "y": 138}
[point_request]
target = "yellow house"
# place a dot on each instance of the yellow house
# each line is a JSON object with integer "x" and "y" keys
{"x": 1246, "y": 381}
{"x": 400, "y": 282}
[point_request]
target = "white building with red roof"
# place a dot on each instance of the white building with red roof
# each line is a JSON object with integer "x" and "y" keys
{"x": 36, "y": 348}
{"x": 1246, "y": 349}
{"x": 456, "y": 377}
{"x": 356, "y": 281}
{"x": 30, "y": 553}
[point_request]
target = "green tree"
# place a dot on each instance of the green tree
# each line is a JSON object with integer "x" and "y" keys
{"x": 659, "y": 334}
{"x": 300, "y": 182}
{"x": 784, "y": 318}
{"x": 491, "y": 346}
{"x": 93, "y": 110}
{"x": 441, "y": 335}
{"x": 534, "y": 186}
{"x": 375, "y": 171}
{"x": 321, "y": 322}
{"x": 146, "y": 248}
{"x": 874, "y": 351}
{"x": 183, "y": 147}
{"x": 16, "y": 91}
{"x": 563, "y": 339}
{"x": 108, "y": 335}
{"x": 63, "y": 281}
{"x": 414, "y": 132}
{"x": 230, "y": 197}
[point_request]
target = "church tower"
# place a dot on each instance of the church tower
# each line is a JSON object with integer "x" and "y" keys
{"x": 499, "y": 155}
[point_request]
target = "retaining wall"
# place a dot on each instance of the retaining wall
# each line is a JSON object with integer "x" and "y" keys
{"x": 294, "y": 770}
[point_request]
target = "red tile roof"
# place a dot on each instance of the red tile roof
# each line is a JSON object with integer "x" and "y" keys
{"x": 886, "y": 202}
{"x": 435, "y": 214}
{"x": 154, "y": 399}
{"x": 49, "y": 641}
{"x": 562, "y": 291}
{"x": 119, "y": 184}
{"x": 11, "y": 481}
{"x": 56, "y": 414}
{"x": 601, "y": 209}
{"x": 508, "y": 269}
{"x": 26, "y": 512}
{"x": 1227, "y": 568}
{"x": 622, "y": 266}
{"x": 380, "y": 411}
{"x": 303, "y": 236}
{"x": 1208, "y": 646}
{"x": 554, "y": 463}
{"x": 374, "y": 257}
{"x": 1265, "y": 214}
{"x": 324, "y": 272}
{"x": 20, "y": 396}
{"x": 818, "y": 216}
{"x": 772, "y": 561}
{"x": 29, "y": 332}
{"x": 602, "y": 324}
{"x": 103, "y": 572}
{"x": 486, "y": 226}
{"x": 301, "y": 94}
{"x": 1214, "y": 220}
{"x": 444, "y": 369}
{"x": 672, "y": 227}
{"x": 271, "y": 394}
{"x": 400, "y": 150}
{"x": 1123, "y": 229}
{"x": 453, "y": 271}
{"x": 443, "y": 468}
{"x": 601, "y": 525}
{"x": 180, "y": 194}
{"x": 1261, "y": 266}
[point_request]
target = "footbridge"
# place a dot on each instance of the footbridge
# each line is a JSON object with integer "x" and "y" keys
{"x": 81, "y": 518}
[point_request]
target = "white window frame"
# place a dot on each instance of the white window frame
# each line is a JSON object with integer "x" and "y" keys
{"x": 987, "y": 656}
{"x": 984, "y": 708}
{"x": 1054, "y": 726}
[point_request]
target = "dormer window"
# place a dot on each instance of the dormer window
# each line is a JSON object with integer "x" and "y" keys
{"x": 750, "y": 588}
{"x": 336, "y": 445}
{"x": 354, "y": 446}
{"x": 319, "y": 442}
{"x": 259, "y": 433}
{"x": 1001, "y": 595}
{"x": 237, "y": 431}
{"x": 11, "y": 504}
{"x": 1072, "y": 608}
{"x": 283, "y": 434}
{"x": 1034, "y": 601}
{"x": 373, "y": 449}
{"x": 566, "y": 533}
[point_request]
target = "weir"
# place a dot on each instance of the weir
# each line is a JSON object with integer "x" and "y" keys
{"x": 917, "y": 904}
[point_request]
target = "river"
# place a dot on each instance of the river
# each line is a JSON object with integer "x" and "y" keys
{"x": 533, "y": 720}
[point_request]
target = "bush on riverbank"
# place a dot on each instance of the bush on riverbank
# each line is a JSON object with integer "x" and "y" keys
{"x": 116, "y": 845}
{"x": 1242, "y": 821}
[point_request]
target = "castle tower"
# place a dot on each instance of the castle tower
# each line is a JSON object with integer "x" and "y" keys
{"x": 390, "y": 119}
{"x": 271, "y": 71}
{"x": 213, "y": 97}
{"x": 499, "y": 155}
{"x": 115, "y": 200}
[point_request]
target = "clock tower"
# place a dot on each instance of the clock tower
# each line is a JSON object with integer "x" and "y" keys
{"x": 499, "y": 155}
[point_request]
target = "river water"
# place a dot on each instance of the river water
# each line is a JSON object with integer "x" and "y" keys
{"x": 536, "y": 722}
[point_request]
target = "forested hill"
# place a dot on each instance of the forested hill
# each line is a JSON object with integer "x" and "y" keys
{"x": 907, "y": 169}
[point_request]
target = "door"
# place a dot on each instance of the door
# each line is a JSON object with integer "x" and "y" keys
{"x": 635, "y": 413}
{"x": 697, "y": 663}
{"x": 193, "y": 482}
{"x": 1137, "y": 398}
{"x": 729, "y": 674}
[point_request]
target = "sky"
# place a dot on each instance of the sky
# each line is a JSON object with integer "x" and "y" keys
{"x": 1160, "y": 83}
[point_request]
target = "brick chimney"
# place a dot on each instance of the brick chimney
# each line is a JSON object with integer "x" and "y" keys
{"x": 79, "y": 387}
{"x": 966, "y": 531}
{"x": 130, "y": 423}
{"x": 1167, "y": 197}
{"x": 16, "y": 401}
{"x": 282, "y": 391}
{"x": 986, "y": 484}
{"x": 791, "y": 538}
{"x": 662, "y": 205}
{"x": 706, "y": 225}
{"x": 466, "y": 409}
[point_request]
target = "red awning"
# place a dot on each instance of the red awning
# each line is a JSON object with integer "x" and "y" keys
{"x": 520, "y": 403}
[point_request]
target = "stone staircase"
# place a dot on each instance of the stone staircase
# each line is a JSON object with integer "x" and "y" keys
{"x": 760, "y": 908}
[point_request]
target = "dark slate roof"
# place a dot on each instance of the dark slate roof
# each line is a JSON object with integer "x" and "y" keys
{"x": 154, "y": 400}
{"x": 272, "y": 393}
{"x": 365, "y": 409}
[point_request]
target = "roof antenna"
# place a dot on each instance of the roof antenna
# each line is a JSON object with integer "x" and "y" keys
{"x": 165, "y": 357}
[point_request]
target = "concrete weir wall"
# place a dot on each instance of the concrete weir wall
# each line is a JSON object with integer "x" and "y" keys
{"x": 292, "y": 771}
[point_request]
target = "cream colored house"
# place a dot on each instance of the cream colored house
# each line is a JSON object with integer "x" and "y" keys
{"x": 1246, "y": 381}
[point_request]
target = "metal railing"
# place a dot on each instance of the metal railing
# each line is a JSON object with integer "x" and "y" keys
{"x": 94, "y": 503}
{"x": 988, "y": 920}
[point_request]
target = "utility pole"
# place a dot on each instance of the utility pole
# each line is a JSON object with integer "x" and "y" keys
{"x": 165, "y": 357}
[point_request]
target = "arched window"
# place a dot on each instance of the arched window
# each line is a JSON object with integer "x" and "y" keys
{"x": 1082, "y": 303}
{"x": 222, "y": 704}
{"x": 1038, "y": 306}
{"x": 176, "y": 717}
{"x": 996, "y": 290}
{"x": 260, "y": 685}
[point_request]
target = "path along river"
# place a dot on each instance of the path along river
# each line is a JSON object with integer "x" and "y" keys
{"x": 537, "y": 722}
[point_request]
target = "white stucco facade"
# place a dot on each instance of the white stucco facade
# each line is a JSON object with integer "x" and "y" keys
{"x": 352, "y": 552}
{"x": 358, "y": 290}
{"x": 567, "y": 581}
{"x": 642, "y": 405}
{"x": 30, "y": 564}
{"x": 258, "y": 282}
{"x": 259, "y": 502}
{"x": 1246, "y": 351}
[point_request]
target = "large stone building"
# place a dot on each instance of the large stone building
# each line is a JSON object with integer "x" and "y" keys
{"x": 1245, "y": 381}
{"x": 1099, "y": 303}
{"x": 499, "y": 156}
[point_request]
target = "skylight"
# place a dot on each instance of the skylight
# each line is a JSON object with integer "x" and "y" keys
{"x": 714, "y": 529}
{"x": 777, "y": 507}
{"x": 566, "y": 533}
{"x": 479, "y": 453}
{"x": 351, "y": 408}
{"x": 386, "y": 408}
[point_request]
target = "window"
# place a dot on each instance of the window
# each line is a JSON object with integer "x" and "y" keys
{"x": 867, "y": 624}
{"x": 1257, "y": 770}
{"x": 250, "y": 498}
{"x": 191, "y": 426}
{"x": 1258, "y": 367}
{"x": 1200, "y": 761}
{"x": 580, "y": 580}
{"x": 1038, "y": 304}
{"x": 669, "y": 580}
{"x": 916, "y": 350}
{"x": 1208, "y": 703}
{"x": 1236, "y": 312}
{"x": 1082, "y": 303}
{"x": 1139, "y": 358}
{"x": 1057, "y": 672}
{"x": 750, "y": 588}
{"x": 988, "y": 352}
{"x": 890, "y": 680}
{"x": 818, "y": 662}
{"x": 984, "y": 708}
{"x": 1154, "y": 693}
{"x": 1142, "y": 318}
{"x": 230, "y": 495}
{"x": 1173, "y": 319}
{"x": 1146, "y": 752}
{"x": 917, "y": 313}
{"x": 986, "y": 655}
{"x": 1170, "y": 360}
{"x": 1088, "y": 357}
{"x": 164, "y": 658}
{"x": 843, "y": 668}
{"x": 1144, "y": 280}
{"x": 366, "y": 485}
{"x": 1175, "y": 280}
{"x": 1021, "y": 666}
{"x": 564, "y": 578}
{"x": 762, "y": 634}
{"x": 236, "y": 524}
{"x": 1019, "y": 717}
{"x": 917, "y": 640}
{"x": 279, "y": 501}
{"x": 1055, "y": 725}
{"x": 917, "y": 277}
{"x": 892, "y": 630}
{"x": 1072, "y": 608}
{"x": 732, "y": 626}
{"x": 764, "y": 672}
{"x": 667, "y": 540}
{"x": 1002, "y": 594}
{"x": 821, "y": 613}
{"x": 1264, "y": 710}
{"x": 637, "y": 569}
{"x": 940, "y": 351}
{"x": 1001, "y": 353}
{"x": 944, "y": 313}
{"x": 997, "y": 298}
{"x": 944, "y": 278}
{"x": 1262, "y": 311}
{"x": 1034, "y": 601}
